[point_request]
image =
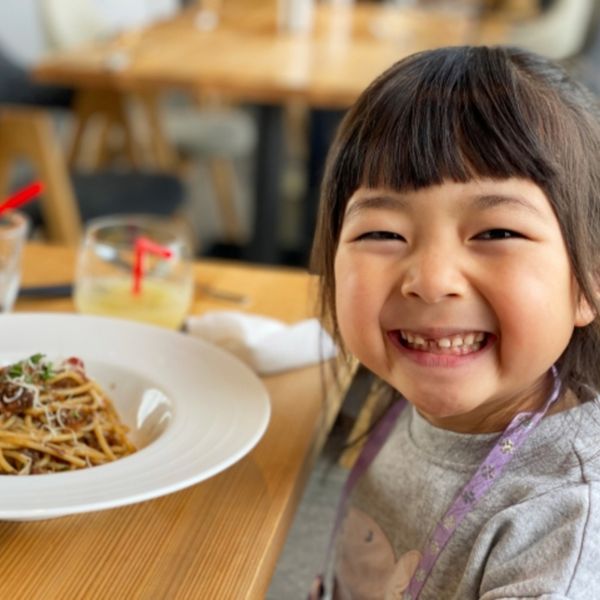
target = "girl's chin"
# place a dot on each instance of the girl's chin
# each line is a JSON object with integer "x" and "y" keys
{"x": 442, "y": 410}
{"x": 435, "y": 413}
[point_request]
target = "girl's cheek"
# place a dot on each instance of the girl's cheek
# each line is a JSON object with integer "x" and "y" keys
{"x": 355, "y": 315}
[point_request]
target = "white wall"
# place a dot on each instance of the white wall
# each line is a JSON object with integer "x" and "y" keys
{"x": 127, "y": 14}
{"x": 22, "y": 31}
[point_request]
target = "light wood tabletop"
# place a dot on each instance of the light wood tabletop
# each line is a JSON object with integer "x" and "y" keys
{"x": 247, "y": 57}
{"x": 217, "y": 539}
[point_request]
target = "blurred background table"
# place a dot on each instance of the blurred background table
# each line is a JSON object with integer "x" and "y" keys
{"x": 245, "y": 57}
{"x": 218, "y": 539}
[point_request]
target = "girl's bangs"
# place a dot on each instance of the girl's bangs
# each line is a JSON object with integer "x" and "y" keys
{"x": 458, "y": 122}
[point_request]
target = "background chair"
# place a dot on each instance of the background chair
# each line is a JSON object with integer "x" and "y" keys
{"x": 212, "y": 138}
{"x": 16, "y": 87}
{"x": 28, "y": 136}
{"x": 584, "y": 65}
{"x": 559, "y": 32}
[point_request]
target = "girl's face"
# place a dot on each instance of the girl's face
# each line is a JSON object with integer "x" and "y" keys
{"x": 460, "y": 296}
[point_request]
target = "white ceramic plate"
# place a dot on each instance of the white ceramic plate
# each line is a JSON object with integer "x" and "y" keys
{"x": 192, "y": 408}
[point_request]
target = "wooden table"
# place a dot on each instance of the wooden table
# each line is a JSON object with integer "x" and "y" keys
{"x": 248, "y": 59}
{"x": 218, "y": 539}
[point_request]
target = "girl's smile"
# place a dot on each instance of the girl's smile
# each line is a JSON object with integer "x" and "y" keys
{"x": 452, "y": 344}
{"x": 459, "y": 295}
{"x": 446, "y": 350}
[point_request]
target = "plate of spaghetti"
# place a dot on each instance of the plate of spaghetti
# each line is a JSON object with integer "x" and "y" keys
{"x": 55, "y": 418}
{"x": 97, "y": 413}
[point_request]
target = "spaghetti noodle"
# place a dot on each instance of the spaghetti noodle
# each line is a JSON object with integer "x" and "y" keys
{"x": 55, "y": 418}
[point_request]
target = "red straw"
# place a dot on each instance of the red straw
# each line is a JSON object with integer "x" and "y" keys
{"x": 21, "y": 197}
{"x": 145, "y": 246}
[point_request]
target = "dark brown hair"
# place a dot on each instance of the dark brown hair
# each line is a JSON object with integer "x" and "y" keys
{"x": 461, "y": 113}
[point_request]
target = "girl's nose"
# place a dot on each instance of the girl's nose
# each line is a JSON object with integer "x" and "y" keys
{"x": 433, "y": 275}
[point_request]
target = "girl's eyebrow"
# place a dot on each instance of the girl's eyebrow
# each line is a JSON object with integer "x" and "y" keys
{"x": 380, "y": 201}
{"x": 400, "y": 203}
{"x": 490, "y": 201}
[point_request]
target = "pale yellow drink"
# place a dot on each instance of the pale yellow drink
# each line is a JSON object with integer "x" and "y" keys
{"x": 159, "y": 302}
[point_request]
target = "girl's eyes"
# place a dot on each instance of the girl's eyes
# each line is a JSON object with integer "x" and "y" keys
{"x": 498, "y": 234}
{"x": 381, "y": 236}
{"x": 488, "y": 235}
{"x": 491, "y": 234}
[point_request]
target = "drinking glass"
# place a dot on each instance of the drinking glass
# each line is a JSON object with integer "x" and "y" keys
{"x": 13, "y": 233}
{"x": 208, "y": 14}
{"x": 295, "y": 16}
{"x": 105, "y": 274}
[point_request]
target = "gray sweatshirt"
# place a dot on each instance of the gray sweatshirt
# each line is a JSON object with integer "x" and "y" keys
{"x": 536, "y": 534}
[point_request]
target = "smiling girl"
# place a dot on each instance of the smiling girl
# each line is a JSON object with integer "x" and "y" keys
{"x": 457, "y": 243}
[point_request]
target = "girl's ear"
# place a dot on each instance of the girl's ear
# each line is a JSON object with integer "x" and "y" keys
{"x": 584, "y": 313}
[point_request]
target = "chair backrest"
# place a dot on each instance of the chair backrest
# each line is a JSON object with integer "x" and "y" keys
{"x": 591, "y": 44}
{"x": 71, "y": 23}
{"x": 18, "y": 87}
{"x": 559, "y": 32}
{"x": 28, "y": 133}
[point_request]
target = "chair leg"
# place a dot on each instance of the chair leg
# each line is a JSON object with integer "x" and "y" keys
{"x": 4, "y": 175}
{"x": 223, "y": 177}
{"x": 164, "y": 156}
{"x": 110, "y": 108}
{"x": 61, "y": 213}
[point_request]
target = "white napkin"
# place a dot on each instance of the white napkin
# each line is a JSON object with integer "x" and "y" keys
{"x": 266, "y": 345}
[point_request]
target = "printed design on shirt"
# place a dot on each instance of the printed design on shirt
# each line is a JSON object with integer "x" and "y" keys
{"x": 525, "y": 421}
{"x": 488, "y": 472}
{"x": 449, "y": 522}
{"x": 468, "y": 497}
{"x": 366, "y": 566}
{"x": 402, "y": 574}
{"x": 507, "y": 446}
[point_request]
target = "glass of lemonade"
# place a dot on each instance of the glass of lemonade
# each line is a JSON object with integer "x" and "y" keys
{"x": 104, "y": 277}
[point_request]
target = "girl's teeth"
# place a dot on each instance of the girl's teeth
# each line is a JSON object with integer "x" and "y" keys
{"x": 458, "y": 344}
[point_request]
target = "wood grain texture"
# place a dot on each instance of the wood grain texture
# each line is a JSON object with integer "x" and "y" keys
{"x": 218, "y": 539}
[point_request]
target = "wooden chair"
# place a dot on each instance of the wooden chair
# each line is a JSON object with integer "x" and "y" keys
{"x": 174, "y": 139}
{"x": 559, "y": 32}
{"x": 27, "y": 133}
{"x": 177, "y": 136}
{"x": 73, "y": 198}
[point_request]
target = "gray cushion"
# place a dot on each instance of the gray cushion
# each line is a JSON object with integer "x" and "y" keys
{"x": 222, "y": 132}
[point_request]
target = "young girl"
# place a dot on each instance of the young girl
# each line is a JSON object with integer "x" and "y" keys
{"x": 459, "y": 249}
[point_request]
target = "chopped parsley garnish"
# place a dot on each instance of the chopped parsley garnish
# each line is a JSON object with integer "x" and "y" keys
{"x": 15, "y": 370}
{"x": 47, "y": 371}
{"x": 36, "y": 358}
{"x": 33, "y": 366}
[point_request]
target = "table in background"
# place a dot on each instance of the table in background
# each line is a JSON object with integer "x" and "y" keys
{"x": 218, "y": 539}
{"x": 247, "y": 59}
